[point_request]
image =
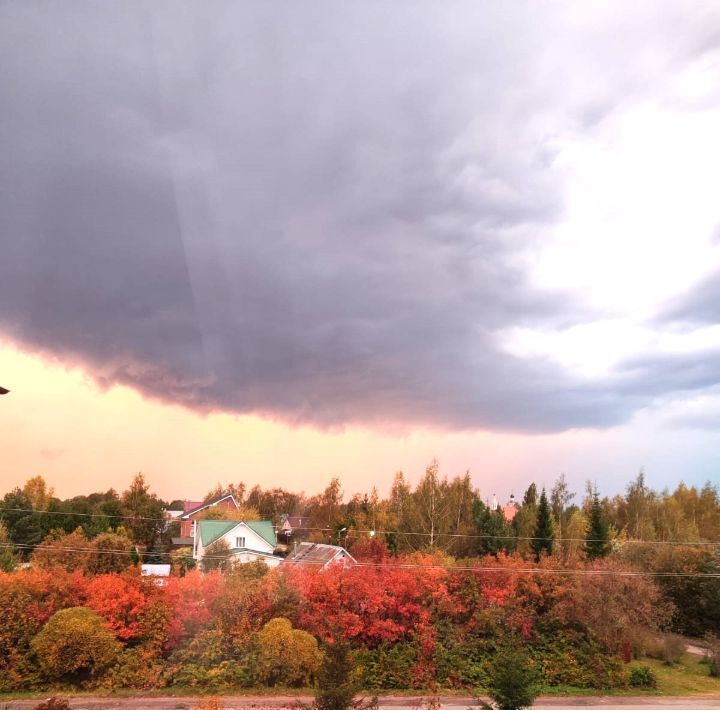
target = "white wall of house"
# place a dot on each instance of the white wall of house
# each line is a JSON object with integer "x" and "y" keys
{"x": 269, "y": 560}
{"x": 240, "y": 533}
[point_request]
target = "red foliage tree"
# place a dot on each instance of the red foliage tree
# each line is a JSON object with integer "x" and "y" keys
{"x": 120, "y": 599}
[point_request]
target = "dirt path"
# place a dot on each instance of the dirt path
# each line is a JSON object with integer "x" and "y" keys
{"x": 394, "y": 702}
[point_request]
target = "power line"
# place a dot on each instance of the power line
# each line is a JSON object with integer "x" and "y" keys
{"x": 404, "y": 565}
{"x": 382, "y": 532}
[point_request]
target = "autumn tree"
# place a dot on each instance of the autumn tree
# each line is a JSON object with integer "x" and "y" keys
{"x": 8, "y": 558}
{"x": 23, "y": 525}
{"x": 575, "y": 534}
{"x": 597, "y": 539}
{"x": 560, "y": 497}
{"x": 243, "y": 512}
{"x": 143, "y": 511}
{"x": 401, "y": 511}
{"x": 74, "y": 645}
{"x": 217, "y": 556}
{"x": 326, "y": 512}
{"x": 543, "y": 536}
{"x": 286, "y": 656}
{"x": 121, "y": 600}
{"x": 639, "y": 503}
{"x": 273, "y": 503}
{"x": 431, "y": 506}
{"x": 110, "y": 552}
{"x": 71, "y": 551}
{"x": 615, "y": 605}
{"x": 39, "y": 493}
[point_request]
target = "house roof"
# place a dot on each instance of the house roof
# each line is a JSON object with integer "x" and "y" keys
{"x": 316, "y": 553}
{"x": 181, "y": 541}
{"x": 197, "y": 507}
{"x": 211, "y": 530}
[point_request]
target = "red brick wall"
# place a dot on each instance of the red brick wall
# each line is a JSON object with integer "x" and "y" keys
{"x": 186, "y": 526}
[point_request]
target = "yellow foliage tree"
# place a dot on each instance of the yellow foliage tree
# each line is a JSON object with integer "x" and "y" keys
{"x": 287, "y": 656}
{"x": 244, "y": 512}
{"x": 75, "y": 645}
{"x": 39, "y": 493}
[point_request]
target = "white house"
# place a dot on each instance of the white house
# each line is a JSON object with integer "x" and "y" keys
{"x": 248, "y": 541}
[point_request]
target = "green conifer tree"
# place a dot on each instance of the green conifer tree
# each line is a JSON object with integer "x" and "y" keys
{"x": 597, "y": 540}
{"x": 544, "y": 535}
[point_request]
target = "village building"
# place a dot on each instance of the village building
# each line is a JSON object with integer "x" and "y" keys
{"x": 248, "y": 541}
{"x": 192, "y": 512}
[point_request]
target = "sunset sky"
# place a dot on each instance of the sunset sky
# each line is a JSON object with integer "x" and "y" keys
{"x": 278, "y": 242}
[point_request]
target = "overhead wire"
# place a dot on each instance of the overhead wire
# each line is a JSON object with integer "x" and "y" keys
{"x": 400, "y": 565}
{"x": 368, "y": 531}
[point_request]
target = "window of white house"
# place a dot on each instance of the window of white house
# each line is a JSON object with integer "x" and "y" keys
{"x": 239, "y": 542}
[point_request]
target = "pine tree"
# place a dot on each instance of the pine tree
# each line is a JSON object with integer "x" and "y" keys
{"x": 544, "y": 535}
{"x": 597, "y": 540}
{"x": 337, "y": 687}
{"x": 495, "y": 533}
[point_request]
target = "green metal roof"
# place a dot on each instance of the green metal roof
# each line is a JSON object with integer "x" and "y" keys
{"x": 211, "y": 530}
{"x": 265, "y": 529}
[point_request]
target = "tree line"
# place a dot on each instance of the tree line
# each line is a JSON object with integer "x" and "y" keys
{"x": 655, "y": 531}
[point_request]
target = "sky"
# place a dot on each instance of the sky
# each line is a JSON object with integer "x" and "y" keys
{"x": 278, "y": 242}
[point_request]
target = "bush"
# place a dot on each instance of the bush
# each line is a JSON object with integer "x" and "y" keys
{"x": 286, "y": 656}
{"x": 75, "y": 645}
{"x": 642, "y": 677}
{"x": 673, "y": 649}
{"x": 388, "y": 667}
{"x": 514, "y": 681}
{"x": 336, "y": 685}
{"x": 713, "y": 654}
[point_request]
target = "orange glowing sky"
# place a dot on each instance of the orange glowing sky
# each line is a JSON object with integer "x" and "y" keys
{"x": 58, "y": 423}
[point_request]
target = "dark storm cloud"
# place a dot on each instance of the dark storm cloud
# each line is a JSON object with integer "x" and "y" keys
{"x": 322, "y": 213}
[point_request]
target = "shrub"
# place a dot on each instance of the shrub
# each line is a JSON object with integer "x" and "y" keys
{"x": 336, "y": 685}
{"x": 673, "y": 649}
{"x": 286, "y": 656}
{"x": 513, "y": 681}
{"x": 138, "y": 667}
{"x": 713, "y": 654}
{"x": 75, "y": 645}
{"x": 642, "y": 677}
{"x": 388, "y": 667}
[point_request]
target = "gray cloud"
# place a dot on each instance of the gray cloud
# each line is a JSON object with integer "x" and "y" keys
{"x": 699, "y": 307}
{"x": 319, "y": 213}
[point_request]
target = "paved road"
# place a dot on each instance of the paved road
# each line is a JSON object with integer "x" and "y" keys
{"x": 392, "y": 703}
